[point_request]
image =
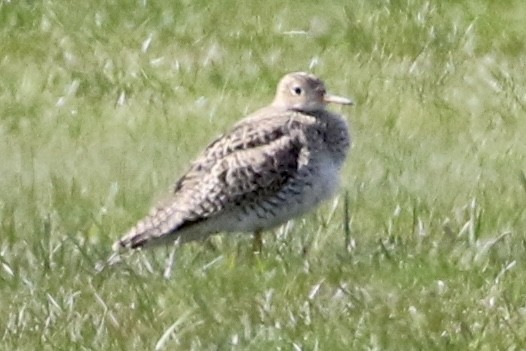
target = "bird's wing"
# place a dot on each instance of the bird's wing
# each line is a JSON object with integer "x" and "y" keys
{"x": 241, "y": 177}
{"x": 265, "y": 127}
{"x": 257, "y": 158}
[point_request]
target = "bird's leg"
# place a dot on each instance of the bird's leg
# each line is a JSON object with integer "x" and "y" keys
{"x": 257, "y": 244}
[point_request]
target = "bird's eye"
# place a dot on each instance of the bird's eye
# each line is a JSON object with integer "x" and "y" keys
{"x": 297, "y": 90}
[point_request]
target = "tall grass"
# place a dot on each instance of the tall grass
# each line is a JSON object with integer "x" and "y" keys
{"x": 104, "y": 103}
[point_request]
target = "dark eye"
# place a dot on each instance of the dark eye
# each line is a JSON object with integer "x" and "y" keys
{"x": 297, "y": 90}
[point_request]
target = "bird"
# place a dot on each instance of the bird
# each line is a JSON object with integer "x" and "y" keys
{"x": 276, "y": 164}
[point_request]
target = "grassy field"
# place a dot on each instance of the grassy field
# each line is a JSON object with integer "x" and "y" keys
{"x": 104, "y": 103}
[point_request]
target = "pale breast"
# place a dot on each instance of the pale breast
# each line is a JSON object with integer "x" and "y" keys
{"x": 299, "y": 197}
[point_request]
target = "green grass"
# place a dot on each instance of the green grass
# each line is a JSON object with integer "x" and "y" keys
{"x": 104, "y": 103}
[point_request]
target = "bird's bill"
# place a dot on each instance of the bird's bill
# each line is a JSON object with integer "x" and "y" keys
{"x": 334, "y": 99}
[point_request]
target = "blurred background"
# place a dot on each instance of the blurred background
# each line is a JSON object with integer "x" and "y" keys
{"x": 103, "y": 104}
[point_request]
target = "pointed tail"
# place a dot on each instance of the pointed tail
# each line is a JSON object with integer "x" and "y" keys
{"x": 157, "y": 228}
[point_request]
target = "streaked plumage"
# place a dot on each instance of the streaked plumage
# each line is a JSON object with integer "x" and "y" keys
{"x": 275, "y": 164}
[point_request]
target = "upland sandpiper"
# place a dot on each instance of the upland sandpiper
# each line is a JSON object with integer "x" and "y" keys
{"x": 274, "y": 165}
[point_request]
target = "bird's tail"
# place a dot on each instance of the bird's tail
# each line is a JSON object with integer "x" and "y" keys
{"x": 158, "y": 227}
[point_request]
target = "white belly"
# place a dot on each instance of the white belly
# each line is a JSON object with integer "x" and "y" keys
{"x": 325, "y": 182}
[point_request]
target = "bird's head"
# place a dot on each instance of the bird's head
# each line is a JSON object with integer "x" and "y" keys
{"x": 305, "y": 92}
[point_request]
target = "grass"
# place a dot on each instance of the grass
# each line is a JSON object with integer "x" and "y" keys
{"x": 104, "y": 103}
